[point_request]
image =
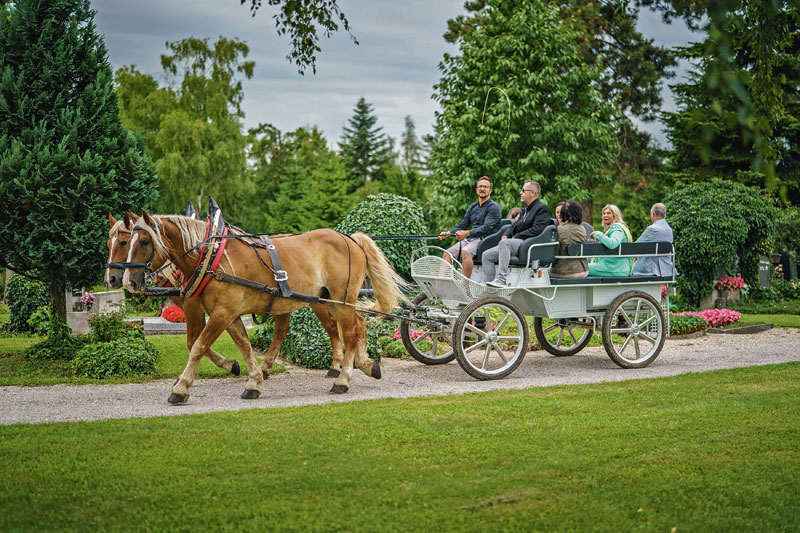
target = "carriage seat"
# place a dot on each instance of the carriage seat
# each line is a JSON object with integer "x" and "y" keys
{"x": 544, "y": 248}
{"x": 492, "y": 240}
{"x": 624, "y": 249}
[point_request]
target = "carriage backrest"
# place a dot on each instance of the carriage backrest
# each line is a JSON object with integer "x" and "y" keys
{"x": 624, "y": 249}
{"x": 492, "y": 240}
{"x": 544, "y": 248}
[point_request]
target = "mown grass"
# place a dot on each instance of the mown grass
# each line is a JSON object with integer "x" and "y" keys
{"x": 18, "y": 370}
{"x": 715, "y": 451}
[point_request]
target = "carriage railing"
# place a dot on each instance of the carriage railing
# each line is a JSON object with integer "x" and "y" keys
{"x": 619, "y": 254}
{"x": 442, "y": 280}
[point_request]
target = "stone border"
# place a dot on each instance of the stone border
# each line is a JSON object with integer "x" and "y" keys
{"x": 688, "y": 335}
{"x": 755, "y": 328}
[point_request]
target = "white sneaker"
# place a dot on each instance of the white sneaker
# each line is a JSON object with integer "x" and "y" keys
{"x": 497, "y": 282}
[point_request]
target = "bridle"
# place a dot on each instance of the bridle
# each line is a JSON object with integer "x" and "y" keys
{"x": 125, "y": 265}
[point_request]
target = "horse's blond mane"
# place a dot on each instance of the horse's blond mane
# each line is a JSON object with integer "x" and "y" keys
{"x": 115, "y": 228}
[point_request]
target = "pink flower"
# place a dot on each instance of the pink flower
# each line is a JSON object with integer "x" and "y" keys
{"x": 730, "y": 283}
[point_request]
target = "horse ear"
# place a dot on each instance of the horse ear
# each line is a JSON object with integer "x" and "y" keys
{"x": 111, "y": 220}
{"x": 148, "y": 219}
{"x": 126, "y": 220}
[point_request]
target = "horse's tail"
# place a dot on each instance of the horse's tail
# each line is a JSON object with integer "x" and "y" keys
{"x": 386, "y": 283}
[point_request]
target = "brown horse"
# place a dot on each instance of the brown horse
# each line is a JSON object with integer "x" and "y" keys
{"x": 194, "y": 313}
{"x": 321, "y": 263}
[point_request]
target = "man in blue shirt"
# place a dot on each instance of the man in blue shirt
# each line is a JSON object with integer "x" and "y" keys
{"x": 482, "y": 218}
{"x": 658, "y": 231}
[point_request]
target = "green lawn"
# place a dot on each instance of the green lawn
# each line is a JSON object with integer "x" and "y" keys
{"x": 715, "y": 451}
{"x": 779, "y": 321}
{"x": 15, "y": 370}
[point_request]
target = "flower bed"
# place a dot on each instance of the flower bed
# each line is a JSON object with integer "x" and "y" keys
{"x": 715, "y": 318}
{"x": 730, "y": 283}
{"x": 173, "y": 313}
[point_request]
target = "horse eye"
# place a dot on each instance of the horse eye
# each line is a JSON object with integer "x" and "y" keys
{"x": 145, "y": 243}
{"x": 123, "y": 243}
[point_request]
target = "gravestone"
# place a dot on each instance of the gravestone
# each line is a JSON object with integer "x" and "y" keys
{"x": 104, "y": 303}
{"x": 764, "y": 267}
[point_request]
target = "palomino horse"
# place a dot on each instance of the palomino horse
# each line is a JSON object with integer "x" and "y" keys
{"x": 194, "y": 313}
{"x": 321, "y": 263}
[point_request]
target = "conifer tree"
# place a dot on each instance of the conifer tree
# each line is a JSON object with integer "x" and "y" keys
{"x": 65, "y": 159}
{"x": 365, "y": 149}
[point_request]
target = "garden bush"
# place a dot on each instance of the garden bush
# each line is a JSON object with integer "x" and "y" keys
{"x": 718, "y": 225}
{"x": 60, "y": 344}
{"x": 174, "y": 314}
{"x": 307, "y": 344}
{"x": 388, "y": 214}
{"x": 39, "y": 321}
{"x": 107, "y": 327}
{"x": 129, "y": 355}
{"x": 686, "y": 324}
{"x": 715, "y": 318}
{"x": 24, "y": 297}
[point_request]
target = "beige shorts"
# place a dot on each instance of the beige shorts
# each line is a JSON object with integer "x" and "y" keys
{"x": 470, "y": 246}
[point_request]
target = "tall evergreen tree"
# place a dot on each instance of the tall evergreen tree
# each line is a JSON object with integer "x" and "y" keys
{"x": 364, "y": 148}
{"x": 411, "y": 155}
{"x": 66, "y": 161}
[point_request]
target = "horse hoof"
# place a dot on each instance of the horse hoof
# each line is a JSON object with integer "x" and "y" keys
{"x": 177, "y": 399}
{"x": 265, "y": 374}
{"x": 339, "y": 389}
{"x": 376, "y": 371}
{"x": 235, "y": 370}
{"x": 333, "y": 373}
{"x": 250, "y": 394}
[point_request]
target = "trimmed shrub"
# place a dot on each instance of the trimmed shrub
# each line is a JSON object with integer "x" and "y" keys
{"x": 129, "y": 355}
{"x": 388, "y": 214}
{"x": 718, "y": 224}
{"x": 686, "y": 324}
{"x": 24, "y": 297}
{"x": 107, "y": 327}
{"x": 307, "y": 344}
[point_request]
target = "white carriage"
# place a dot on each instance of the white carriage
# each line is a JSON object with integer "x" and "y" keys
{"x": 486, "y": 330}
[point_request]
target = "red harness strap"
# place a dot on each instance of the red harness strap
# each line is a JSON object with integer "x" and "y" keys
{"x": 214, "y": 262}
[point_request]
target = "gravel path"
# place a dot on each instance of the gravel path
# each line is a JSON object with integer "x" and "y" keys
{"x": 401, "y": 379}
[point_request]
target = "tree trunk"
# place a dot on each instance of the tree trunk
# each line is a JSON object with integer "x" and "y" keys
{"x": 588, "y": 206}
{"x": 59, "y": 300}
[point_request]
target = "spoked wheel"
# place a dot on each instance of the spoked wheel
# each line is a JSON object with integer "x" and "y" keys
{"x": 490, "y": 338}
{"x": 571, "y": 334}
{"x": 633, "y": 330}
{"x": 431, "y": 346}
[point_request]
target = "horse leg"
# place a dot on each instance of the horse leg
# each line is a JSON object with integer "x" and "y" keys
{"x": 332, "y": 327}
{"x": 211, "y": 332}
{"x": 278, "y": 336}
{"x": 354, "y": 333}
{"x": 254, "y": 373}
{"x": 195, "y": 318}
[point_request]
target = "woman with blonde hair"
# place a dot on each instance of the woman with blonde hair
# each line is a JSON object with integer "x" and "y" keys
{"x": 614, "y": 233}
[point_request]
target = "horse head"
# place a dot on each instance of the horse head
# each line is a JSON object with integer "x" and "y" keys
{"x": 145, "y": 251}
{"x": 118, "y": 238}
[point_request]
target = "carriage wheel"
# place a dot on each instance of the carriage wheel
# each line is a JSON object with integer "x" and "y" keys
{"x": 490, "y": 338}
{"x": 633, "y": 330}
{"x": 573, "y": 334}
{"x": 433, "y": 346}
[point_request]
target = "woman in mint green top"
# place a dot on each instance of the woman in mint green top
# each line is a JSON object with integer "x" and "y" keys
{"x": 615, "y": 232}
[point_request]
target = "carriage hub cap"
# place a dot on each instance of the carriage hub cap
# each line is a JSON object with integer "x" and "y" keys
{"x": 634, "y": 330}
{"x": 492, "y": 337}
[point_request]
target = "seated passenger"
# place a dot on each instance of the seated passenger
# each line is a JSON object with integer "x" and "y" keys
{"x": 615, "y": 233}
{"x": 658, "y": 231}
{"x": 570, "y": 231}
{"x": 557, "y": 211}
{"x": 481, "y": 220}
{"x": 513, "y": 214}
{"x": 534, "y": 218}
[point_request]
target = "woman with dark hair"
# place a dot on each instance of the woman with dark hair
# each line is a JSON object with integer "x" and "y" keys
{"x": 570, "y": 231}
{"x": 559, "y": 207}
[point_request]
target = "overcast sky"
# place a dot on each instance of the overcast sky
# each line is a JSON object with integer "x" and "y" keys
{"x": 394, "y": 66}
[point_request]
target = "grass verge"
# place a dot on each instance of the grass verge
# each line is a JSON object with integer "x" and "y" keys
{"x": 16, "y": 370}
{"x": 714, "y": 451}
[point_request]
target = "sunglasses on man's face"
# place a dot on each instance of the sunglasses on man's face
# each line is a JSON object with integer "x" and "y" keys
{"x": 528, "y": 190}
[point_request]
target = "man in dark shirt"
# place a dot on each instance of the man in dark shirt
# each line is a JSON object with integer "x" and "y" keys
{"x": 482, "y": 218}
{"x": 534, "y": 218}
